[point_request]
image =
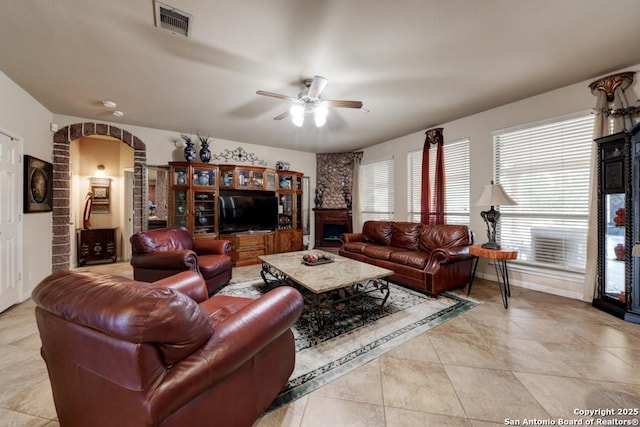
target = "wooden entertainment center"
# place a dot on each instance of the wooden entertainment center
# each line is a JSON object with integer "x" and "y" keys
{"x": 194, "y": 202}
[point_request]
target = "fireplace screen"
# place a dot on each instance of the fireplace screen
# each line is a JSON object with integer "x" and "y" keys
{"x": 332, "y": 232}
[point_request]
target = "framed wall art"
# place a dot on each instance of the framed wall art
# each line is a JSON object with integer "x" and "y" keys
{"x": 100, "y": 189}
{"x": 38, "y": 185}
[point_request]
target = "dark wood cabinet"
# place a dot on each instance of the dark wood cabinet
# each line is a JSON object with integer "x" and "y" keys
{"x": 247, "y": 247}
{"x": 618, "y": 216}
{"x": 97, "y": 245}
{"x": 194, "y": 197}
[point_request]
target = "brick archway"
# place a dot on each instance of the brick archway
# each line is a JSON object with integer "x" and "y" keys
{"x": 61, "y": 240}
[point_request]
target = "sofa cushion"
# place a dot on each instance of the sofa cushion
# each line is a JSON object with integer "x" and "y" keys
{"x": 210, "y": 265}
{"x": 443, "y": 236}
{"x": 379, "y": 251}
{"x": 378, "y": 231}
{"x": 413, "y": 258}
{"x": 357, "y": 247}
{"x": 406, "y": 235}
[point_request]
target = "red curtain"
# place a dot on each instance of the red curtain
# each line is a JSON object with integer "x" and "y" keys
{"x": 432, "y": 207}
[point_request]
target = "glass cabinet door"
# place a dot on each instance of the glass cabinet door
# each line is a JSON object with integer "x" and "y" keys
{"x": 180, "y": 207}
{"x": 614, "y": 250}
{"x": 258, "y": 180}
{"x": 244, "y": 178}
{"x": 226, "y": 177}
{"x": 285, "y": 182}
{"x": 204, "y": 215}
{"x": 180, "y": 176}
{"x": 285, "y": 211}
{"x": 204, "y": 176}
{"x": 271, "y": 181}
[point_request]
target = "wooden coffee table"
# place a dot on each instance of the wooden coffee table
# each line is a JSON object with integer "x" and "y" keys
{"x": 325, "y": 286}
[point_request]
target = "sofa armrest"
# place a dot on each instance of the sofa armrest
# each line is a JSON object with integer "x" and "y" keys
{"x": 171, "y": 260}
{"x": 352, "y": 237}
{"x": 189, "y": 283}
{"x": 456, "y": 253}
{"x": 235, "y": 340}
{"x": 446, "y": 255}
{"x": 211, "y": 247}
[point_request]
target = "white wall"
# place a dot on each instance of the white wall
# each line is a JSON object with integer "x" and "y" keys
{"x": 479, "y": 128}
{"x": 25, "y": 118}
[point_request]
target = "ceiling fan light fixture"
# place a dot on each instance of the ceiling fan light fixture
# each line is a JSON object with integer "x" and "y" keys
{"x": 297, "y": 114}
{"x": 320, "y": 115}
{"x": 297, "y": 110}
{"x": 298, "y": 121}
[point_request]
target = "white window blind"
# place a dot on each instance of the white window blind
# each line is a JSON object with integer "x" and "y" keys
{"x": 376, "y": 190}
{"x": 545, "y": 169}
{"x": 456, "y": 165}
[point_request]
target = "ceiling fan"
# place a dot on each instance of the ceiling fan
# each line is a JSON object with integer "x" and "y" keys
{"x": 309, "y": 101}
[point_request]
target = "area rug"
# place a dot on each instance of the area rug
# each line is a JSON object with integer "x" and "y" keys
{"x": 355, "y": 333}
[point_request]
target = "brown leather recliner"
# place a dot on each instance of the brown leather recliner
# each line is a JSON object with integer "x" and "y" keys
{"x": 126, "y": 353}
{"x": 161, "y": 253}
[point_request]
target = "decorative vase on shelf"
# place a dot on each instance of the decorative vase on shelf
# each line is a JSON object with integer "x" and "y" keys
{"x": 190, "y": 149}
{"x": 203, "y": 177}
{"x": 181, "y": 178}
{"x": 205, "y": 153}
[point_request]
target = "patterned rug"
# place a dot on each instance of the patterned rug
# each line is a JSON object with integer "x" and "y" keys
{"x": 355, "y": 333}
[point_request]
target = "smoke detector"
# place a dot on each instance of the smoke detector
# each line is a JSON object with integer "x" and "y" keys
{"x": 171, "y": 19}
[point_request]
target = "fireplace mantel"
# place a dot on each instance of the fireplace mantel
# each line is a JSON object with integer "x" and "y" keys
{"x": 330, "y": 223}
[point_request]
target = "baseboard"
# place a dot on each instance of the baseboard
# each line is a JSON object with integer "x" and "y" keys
{"x": 535, "y": 286}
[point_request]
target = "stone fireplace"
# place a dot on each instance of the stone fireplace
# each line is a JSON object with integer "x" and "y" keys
{"x": 330, "y": 223}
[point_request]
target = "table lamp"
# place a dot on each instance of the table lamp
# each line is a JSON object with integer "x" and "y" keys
{"x": 493, "y": 195}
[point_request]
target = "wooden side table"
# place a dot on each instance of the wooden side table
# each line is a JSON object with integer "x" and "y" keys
{"x": 97, "y": 244}
{"x": 499, "y": 258}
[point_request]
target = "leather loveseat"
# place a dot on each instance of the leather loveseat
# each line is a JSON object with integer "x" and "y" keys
{"x": 161, "y": 253}
{"x": 126, "y": 353}
{"x": 427, "y": 258}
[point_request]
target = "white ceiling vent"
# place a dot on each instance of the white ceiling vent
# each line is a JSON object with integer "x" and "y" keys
{"x": 171, "y": 19}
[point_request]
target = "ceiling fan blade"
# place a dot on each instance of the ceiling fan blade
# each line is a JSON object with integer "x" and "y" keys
{"x": 317, "y": 86}
{"x": 342, "y": 104}
{"x": 281, "y": 116}
{"x": 276, "y": 95}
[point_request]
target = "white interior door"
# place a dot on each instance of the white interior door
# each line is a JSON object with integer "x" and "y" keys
{"x": 10, "y": 222}
{"x": 129, "y": 215}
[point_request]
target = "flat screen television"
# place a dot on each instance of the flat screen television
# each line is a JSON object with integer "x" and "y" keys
{"x": 247, "y": 211}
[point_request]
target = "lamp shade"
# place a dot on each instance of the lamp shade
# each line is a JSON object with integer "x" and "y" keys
{"x": 494, "y": 195}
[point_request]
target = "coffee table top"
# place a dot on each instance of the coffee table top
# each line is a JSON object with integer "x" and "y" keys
{"x": 338, "y": 274}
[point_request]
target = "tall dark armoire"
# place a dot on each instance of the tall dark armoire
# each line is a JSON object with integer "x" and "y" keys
{"x": 618, "y": 288}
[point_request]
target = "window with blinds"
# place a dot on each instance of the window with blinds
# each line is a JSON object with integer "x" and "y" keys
{"x": 546, "y": 169}
{"x": 456, "y": 166}
{"x": 376, "y": 190}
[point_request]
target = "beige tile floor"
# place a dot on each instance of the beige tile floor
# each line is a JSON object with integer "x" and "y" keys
{"x": 543, "y": 358}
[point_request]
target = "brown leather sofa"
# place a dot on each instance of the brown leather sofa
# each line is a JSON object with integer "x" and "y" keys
{"x": 161, "y": 253}
{"x": 126, "y": 353}
{"x": 428, "y": 258}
